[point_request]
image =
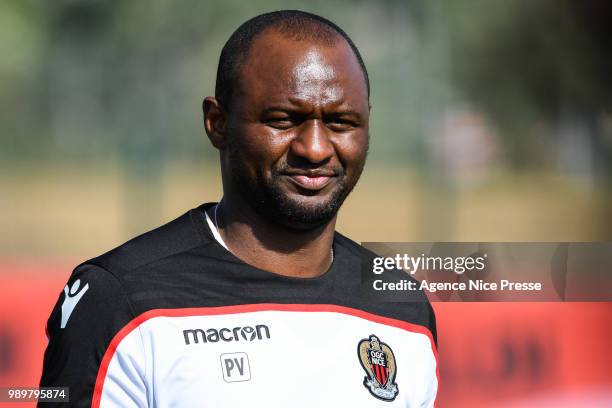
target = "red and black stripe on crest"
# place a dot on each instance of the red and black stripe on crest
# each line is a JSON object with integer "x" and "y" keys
{"x": 381, "y": 373}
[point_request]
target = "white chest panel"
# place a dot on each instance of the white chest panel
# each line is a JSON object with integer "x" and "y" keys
{"x": 242, "y": 356}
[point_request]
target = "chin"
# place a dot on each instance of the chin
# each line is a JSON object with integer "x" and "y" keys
{"x": 281, "y": 204}
{"x": 301, "y": 222}
{"x": 301, "y": 212}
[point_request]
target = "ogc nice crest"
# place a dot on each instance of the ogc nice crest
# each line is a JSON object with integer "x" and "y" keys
{"x": 378, "y": 361}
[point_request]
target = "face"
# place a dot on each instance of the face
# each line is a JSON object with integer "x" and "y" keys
{"x": 297, "y": 131}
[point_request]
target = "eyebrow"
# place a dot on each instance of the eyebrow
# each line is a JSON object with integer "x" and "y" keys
{"x": 326, "y": 113}
{"x": 292, "y": 106}
{"x": 278, "y": 109}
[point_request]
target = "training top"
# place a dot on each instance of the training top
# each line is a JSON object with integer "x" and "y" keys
{"x": 172, "y": 318}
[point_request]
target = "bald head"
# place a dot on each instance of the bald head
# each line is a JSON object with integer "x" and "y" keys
{"x": 291, "y": 24}
{"x": 279, "y": 70}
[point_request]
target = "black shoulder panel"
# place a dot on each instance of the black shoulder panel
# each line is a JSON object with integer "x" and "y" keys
{"x": 90, "y": 310}
{"x": 177, "y": 236}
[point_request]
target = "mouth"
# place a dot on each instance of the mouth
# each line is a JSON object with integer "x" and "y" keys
{"x": 311, "y": 181}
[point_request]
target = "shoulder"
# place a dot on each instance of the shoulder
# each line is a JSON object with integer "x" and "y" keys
{"x": 177, "y": 236}
{"x": 91, "y": 309}
{"x": 411, "y": 306}
{"x": 98, "y": 295}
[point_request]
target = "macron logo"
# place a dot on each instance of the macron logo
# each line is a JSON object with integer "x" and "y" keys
{"x": 72, "y": 295}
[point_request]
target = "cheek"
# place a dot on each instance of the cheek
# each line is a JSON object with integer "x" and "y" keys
{"x": 259, "y": 146}
{"x": 352, "y": 151}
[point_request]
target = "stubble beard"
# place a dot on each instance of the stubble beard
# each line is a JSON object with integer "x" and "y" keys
{"x": 269, "y": 201}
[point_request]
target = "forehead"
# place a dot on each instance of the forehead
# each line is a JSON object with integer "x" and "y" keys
{"x": 278, "y": 68}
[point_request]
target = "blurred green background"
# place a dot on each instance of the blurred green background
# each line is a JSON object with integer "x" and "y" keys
{"x": 491, "y": 120}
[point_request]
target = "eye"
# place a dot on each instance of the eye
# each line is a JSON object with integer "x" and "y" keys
{"x": 340, "y": 124}
{"x": 280, "y": 121}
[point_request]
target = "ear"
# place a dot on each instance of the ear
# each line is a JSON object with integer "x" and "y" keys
{"x": 215, "y": 119}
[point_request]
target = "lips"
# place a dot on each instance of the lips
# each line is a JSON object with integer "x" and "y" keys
{"x": 308, "y": 182}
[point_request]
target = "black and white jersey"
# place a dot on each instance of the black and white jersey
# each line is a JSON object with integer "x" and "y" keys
{"x": 171, "y": 318}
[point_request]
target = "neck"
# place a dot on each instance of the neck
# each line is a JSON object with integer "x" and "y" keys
{"x": 272, "y": 247}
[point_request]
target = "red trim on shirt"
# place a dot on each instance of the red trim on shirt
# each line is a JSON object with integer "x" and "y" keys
{"x": 257, "y": 307}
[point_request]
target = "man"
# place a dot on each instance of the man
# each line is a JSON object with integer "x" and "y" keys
{"x": 253, "y": 301}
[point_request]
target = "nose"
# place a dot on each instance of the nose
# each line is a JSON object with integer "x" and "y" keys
{"x": 313, "y": 143}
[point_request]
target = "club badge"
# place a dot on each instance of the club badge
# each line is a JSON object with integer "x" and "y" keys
{"x": 378, "y": 361}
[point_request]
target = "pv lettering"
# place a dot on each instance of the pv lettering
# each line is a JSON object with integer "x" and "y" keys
{"x": 246, "y": 333}
{"x": 235, "y": 367}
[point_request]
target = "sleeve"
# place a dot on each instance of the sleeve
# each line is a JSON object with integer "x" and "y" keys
{"x": 432, "y": 323}
{"x": 433, "y": 383}
{"x": 90, "y": 312}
